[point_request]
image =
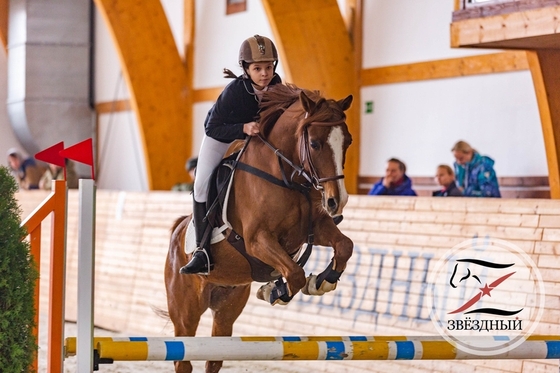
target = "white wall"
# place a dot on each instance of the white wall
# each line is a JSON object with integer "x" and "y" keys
{"x": 121, "y": 164}
{"x": 419, "y": 122}
{"x": 402, "y": 31}
{"x": 218, "y": 37}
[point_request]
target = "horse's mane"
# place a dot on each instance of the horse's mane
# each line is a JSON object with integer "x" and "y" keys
{"x": 278, "y": 98}
{"x": 275, "y": 101}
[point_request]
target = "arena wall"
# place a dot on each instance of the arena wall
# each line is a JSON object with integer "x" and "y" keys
{"x": 383, "y": 291}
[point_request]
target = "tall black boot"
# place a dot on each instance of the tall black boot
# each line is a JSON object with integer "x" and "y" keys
{"x": 201, "y": 261}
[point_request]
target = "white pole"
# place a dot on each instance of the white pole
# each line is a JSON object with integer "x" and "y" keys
{"x": 86, "y": 271}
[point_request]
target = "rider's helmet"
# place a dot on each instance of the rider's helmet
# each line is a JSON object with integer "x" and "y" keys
{"x": 257, "y": 49}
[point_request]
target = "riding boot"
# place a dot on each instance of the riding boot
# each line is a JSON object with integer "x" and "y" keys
{"x": 201, "y": 261}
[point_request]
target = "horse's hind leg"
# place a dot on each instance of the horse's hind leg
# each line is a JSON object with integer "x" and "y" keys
{"x": 187, "y": 296}
{"x": 226, "y": 304}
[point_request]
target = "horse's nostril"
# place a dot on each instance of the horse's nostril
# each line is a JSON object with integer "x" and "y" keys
{"x": 331, "y": 202}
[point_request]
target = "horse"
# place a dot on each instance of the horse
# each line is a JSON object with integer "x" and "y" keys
{"x": 286, "y": 189}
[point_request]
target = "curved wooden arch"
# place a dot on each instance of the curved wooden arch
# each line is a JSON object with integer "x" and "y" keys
{"x": 4, "y": 10}
{"x": 544, "y": 69}
{"x": 159, "y": 87}
{"x": 316, "y": 52}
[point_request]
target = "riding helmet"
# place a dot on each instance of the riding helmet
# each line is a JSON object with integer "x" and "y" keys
{"x": 257, "y": 49}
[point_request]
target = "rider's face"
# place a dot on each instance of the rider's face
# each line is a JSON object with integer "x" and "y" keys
{"x": 261, "y": 73}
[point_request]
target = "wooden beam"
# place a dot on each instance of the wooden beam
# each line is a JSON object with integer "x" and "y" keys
{"x": 530, "y": 29}
{"x": 449, "y": 68}
{"x": 4, "y": 14}
{"x": 109, "y": 107}
{"x": 316, "y": 53}
{"x": 546, "y": 79}
{"x": 207, "y": 94}
{"x": 158, "y": 85}
{"x": 456, "y": 5}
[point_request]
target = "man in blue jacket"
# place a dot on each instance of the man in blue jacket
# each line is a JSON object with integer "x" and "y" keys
{"x": 474, "y": 173}
{"x": 395, "y": 182}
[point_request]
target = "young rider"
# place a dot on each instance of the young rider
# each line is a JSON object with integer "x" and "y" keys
{"x": 232, "y": 117}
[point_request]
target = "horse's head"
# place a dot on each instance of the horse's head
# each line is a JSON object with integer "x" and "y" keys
{"x": 323, "y": 141}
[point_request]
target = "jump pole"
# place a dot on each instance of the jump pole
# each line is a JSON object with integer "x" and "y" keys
{"x": 312, "y": 348}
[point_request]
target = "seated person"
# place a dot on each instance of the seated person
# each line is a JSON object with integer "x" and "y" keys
{"x": 190, "y": 167}
{"x": 55, "y": 172}
{"x": 395, "y": 182}
{"x": 27, "y": 172}
{"x": 446, "y": 178}
{"x": 475, "y": 173}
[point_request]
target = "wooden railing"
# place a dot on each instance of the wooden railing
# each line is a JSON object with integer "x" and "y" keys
{"x": 55, "y": 203}
{"x": 468, "y": 9}
{"x": 510, "y": 187}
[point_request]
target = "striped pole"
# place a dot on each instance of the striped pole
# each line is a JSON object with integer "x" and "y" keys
{"x": 313, "y": 348}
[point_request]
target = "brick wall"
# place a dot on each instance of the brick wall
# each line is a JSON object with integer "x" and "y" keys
{"x": 382, "y": 292}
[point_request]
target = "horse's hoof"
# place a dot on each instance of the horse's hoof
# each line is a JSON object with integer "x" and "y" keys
{"x": 338, "y": 219}
{"x": 264, "y": 291}
{"x": 274, "y": 295}
{"x": 310, "y": 287}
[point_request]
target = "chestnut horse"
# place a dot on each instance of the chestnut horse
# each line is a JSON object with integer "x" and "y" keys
{"x": 288, "y": 192}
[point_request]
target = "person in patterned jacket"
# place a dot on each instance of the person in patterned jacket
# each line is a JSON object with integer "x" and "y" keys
{"x": 474, "y": 173}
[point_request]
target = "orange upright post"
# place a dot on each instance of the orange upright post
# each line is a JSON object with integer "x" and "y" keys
{"x": 55, "y": 203}
{"x": 57, "y": 279}
{"x": 35, "y": 243}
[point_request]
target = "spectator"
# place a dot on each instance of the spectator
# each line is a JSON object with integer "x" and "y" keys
{"x": 475, "y": 173}
{"x": 446, "y": 178}
{"x": 27, "y": 172}
{"x": 395, "y": 182}
{"x": 55, "y": 172}
{"x": 190, "y": 167}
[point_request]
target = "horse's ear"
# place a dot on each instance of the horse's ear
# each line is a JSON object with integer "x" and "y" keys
{"x": 345, "y": 104}
{"x": 307, "y": 103}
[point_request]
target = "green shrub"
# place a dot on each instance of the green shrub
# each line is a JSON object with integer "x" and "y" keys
{"x": 17, "y": 283}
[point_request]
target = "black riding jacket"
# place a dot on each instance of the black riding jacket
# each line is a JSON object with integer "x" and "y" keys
{"x": 236, "y": 105}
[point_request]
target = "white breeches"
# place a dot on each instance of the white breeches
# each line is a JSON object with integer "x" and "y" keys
{"x": 210, "y": 154}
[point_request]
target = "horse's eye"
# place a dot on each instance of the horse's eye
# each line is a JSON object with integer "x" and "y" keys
{"x": 314, "y": 145}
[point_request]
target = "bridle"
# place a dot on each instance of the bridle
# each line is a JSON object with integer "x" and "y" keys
{"x": 310, "y": 175}
{"x": 305, "y": 154}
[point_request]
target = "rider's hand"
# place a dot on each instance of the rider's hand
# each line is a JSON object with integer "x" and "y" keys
{"x": 251, "y": 128}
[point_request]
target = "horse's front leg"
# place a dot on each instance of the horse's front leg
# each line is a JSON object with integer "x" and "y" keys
{"x": 328, "y": 234}
{"x": 265, "y": 247}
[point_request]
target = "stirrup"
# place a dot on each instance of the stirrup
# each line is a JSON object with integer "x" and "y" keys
{"x": 200, "y": 263}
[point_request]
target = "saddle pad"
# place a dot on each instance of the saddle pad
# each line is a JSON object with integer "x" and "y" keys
{"x": 190, "y": 237}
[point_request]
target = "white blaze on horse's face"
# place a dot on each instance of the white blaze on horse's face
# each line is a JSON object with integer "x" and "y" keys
{"x": 336, "y": 142}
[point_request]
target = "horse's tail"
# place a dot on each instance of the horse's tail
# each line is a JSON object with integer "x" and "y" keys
{"x": 160, "y": 312}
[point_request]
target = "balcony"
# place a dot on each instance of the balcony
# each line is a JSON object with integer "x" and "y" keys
{"x": 507, "y": 24}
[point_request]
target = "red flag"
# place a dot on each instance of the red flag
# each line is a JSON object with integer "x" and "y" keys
{"x": 52, "y": 155}
{"x": 81, "y": 152}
